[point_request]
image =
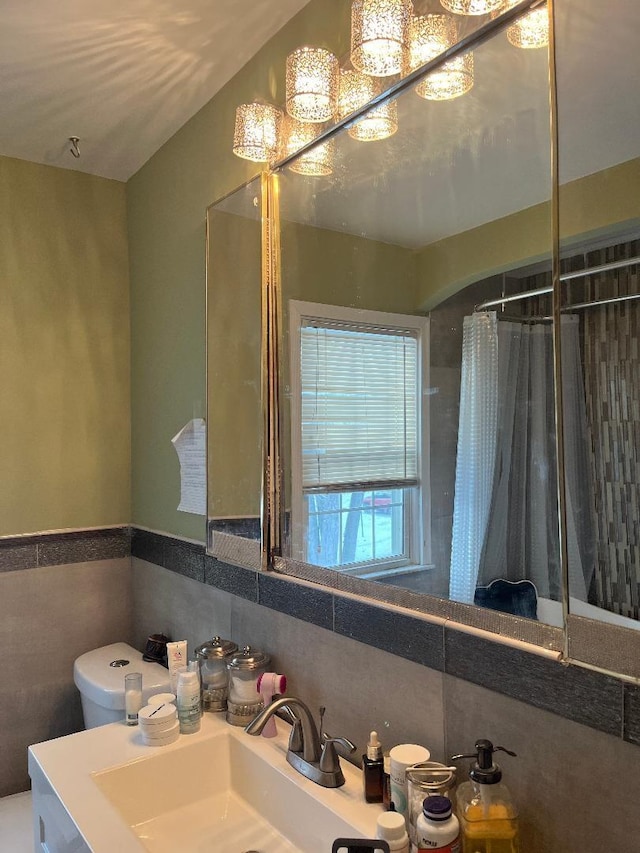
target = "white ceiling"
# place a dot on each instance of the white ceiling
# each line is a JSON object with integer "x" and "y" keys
{"x": 123, "y": 75}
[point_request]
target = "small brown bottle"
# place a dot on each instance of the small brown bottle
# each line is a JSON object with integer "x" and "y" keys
{"x": 373, "y": 770}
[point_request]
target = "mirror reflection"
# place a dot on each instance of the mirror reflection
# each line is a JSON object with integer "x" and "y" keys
{"x": 599, "y": 147}
{"x": 234, "y": 417}
{"x": 420, "y": 430}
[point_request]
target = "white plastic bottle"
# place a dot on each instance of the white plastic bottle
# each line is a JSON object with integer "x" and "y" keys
{"x": 437, "y": 828}
{"x": 391, "y": 827}
{"x": 188, "y": 701}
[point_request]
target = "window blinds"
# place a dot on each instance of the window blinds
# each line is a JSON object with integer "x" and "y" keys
{"x": 359, "y": 407}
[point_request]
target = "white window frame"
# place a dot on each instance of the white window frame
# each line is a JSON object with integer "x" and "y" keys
{"x": 417, "y": 499}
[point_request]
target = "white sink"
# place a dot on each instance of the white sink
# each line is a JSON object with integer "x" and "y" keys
{"x": 218, "y": 790}
{"x": 218, "y": 794}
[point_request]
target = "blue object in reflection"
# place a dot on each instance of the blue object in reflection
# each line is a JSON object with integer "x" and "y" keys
{"x": 520, "y": 598}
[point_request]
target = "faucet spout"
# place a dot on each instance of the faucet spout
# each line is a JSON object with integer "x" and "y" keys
{"x": 310, "y": 737}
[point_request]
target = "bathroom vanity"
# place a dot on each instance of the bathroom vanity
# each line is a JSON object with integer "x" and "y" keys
{"x": 218, "y": 789}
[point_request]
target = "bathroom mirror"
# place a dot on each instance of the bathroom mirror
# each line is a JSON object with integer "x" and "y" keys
{"x": 409, "y": 245}
{"x": 418, "y": 423}
{"x": 234, "y": 400}
{"x": 599, "y": 217}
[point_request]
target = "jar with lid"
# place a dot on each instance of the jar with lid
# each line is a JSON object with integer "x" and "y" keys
{"x": 244, "y": 669}
{"x": 427, "y": 779}
{"x": 212, "y": 659}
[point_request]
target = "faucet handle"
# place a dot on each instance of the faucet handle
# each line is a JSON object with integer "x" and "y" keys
{"x": 331, "y": 749}
{"x": 343, "y": 746}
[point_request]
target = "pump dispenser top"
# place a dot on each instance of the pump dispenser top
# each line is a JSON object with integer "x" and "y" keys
{"x": 488, "y": 816}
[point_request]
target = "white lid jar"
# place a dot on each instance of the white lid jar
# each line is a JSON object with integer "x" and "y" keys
{"x": 437, "y": 828}
{"x": 391, "y": 827}
{"x": 212, "y": 658}
{"x": 245, "y": 668}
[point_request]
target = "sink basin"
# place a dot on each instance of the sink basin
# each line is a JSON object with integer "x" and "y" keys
{"x": 220, "y": 793}
{"x": 104, "y": 790}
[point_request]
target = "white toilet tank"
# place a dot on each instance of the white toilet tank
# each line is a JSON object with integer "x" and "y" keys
{"x": 99, "y": 676}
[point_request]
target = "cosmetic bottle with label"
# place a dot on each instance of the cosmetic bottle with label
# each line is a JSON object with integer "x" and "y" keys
{"x": 373, "y": 770}
{"x": 437, "y": 828}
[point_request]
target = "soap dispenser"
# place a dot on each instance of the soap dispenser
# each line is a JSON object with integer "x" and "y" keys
{"x": 487, "y": 814}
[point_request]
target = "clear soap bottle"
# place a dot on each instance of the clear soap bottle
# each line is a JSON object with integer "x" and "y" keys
{"x": 487, "y": 814}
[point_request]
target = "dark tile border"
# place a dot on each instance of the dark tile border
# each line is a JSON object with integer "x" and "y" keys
{"x": 233, "y": 579}
{"x": 398, "y": 633}
{"x": 183, "y": 558}
{"x": 632, "y": 714}
{"x": 56, "y": 549}
{"x": 311, "y": 604}
{"x": 586, "y": 697}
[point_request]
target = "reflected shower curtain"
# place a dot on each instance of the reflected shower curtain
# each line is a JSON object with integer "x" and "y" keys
{"x": 518, "y": 531}
{"x": 477, "y": 432}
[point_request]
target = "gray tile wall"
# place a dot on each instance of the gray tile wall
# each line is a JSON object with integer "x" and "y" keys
{"x": 575, "y": 786}
{"x": 362, "y": 687}
{"x": 49, "y": 615}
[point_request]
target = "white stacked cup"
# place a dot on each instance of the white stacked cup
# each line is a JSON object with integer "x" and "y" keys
{"x": 158, "y": 723}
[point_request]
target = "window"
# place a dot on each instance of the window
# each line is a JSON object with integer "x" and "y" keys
{"x": 356, "y": 456}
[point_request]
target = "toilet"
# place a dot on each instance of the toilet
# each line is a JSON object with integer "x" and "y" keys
{"x": 99, "y": 676}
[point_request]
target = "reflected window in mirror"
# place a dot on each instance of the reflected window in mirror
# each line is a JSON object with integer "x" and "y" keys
{"x": 356, "y": 414}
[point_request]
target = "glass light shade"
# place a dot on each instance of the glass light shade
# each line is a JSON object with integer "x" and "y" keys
{"x": 256, "y": 133}
{"x": 531, "y": 30}
{"x": 429, "y": 36}
{"x": 379, "y": 30}
{"x": 311, "y": 84}
{"x": 451, "y": 80}
{"x": 472, "y": 7}
{"x": 356, "y": 90}
{"x": 318, "y": 161}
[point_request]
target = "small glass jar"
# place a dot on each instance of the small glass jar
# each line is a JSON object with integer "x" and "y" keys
{"x": 244, "y": 669}
{"x": 132, "y": 697}
{"x": 212, "y": 658}
{"x": 427, "y": 779}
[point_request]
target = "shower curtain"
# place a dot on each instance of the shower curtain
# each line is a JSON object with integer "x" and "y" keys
{"x": 505, "y": 505}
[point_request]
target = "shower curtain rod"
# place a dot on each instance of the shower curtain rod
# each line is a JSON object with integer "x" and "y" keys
{"x": 543, "y": 291}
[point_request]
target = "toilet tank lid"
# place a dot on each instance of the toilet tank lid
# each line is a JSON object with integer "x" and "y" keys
{"x": 104, "y": 684}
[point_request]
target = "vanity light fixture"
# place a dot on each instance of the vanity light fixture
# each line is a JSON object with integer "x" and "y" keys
{"x": 257, "y": 131}
{"x": 472, "y": 7}
{"x": 379, "y": 30}
{"x": 318, "y": 161}
{"x": 451, "y": 80}
{"x": 311, "y": 84}
{"x": 356, "y": 90}
{"x": 429, "y": 36}
{"x": 531, "y": 30}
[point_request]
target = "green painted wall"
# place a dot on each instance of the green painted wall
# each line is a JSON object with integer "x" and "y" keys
{"x": 64, "y": 350}
{"x": 590, "y": 207}
{"x": 166, "y": 202}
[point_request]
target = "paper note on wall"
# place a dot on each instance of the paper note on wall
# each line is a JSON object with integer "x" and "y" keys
{"x": 190, "y": 446}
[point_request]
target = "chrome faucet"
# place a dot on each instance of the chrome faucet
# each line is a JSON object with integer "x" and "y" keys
{"x": 317, "y": 762}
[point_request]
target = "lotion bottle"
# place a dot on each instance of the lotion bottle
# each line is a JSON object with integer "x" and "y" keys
{"x": 188, "y": 702}
{"x": 373, "y": 770}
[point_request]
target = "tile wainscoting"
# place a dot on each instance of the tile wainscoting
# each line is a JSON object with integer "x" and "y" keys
{"x": 419, "y": 680}
{"x": 60, "y": 596}
{"x": 415, "y": 678}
